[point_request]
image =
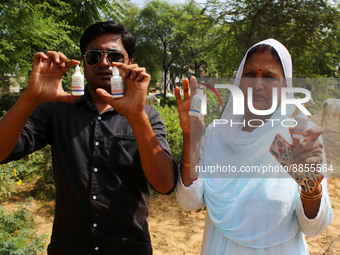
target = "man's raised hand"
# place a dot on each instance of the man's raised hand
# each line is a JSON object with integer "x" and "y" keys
{"x": 137, "y": 80}
{"x": 45, "y": 83}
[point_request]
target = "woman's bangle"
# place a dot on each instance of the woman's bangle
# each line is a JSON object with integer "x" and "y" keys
{"x": 311, "y": 198}
{"x": 183, "y": 163}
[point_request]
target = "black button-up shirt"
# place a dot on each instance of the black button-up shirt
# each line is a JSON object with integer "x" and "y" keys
{"x": 102, "y": 194}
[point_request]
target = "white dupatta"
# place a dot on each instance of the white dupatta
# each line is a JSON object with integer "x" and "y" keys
{"x": 254, "y": 212}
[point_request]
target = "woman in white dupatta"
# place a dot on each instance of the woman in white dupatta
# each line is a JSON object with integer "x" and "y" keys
{"x": 248, "y": 215}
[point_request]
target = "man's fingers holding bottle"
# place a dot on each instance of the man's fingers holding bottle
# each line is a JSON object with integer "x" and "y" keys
{"x": 38, "y": 57}
{"x": 133, "y": 72}
{"x": 68, "y": 64}
{"x": 61, "y": 60}
{"x": 56, "y": 57}
{"x": 125, "y": 69}
{"x": 138, "y": 74}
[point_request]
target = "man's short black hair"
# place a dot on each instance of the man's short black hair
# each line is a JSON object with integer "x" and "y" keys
{"x": 108, "y": 27}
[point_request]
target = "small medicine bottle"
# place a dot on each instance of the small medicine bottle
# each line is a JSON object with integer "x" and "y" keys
{"x": 301, "y": 127}
{"x": 77, "y": 82}
{"x": 198, "y": 104}
{"x": 117, "y": 89}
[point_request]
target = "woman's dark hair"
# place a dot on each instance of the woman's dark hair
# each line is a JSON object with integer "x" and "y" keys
{"x": 263, "y": 48}
{"x": 108, "y": 27}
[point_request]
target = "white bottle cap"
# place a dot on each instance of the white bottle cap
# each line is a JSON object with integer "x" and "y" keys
{"x": 77, "y": 69}
{"x": 115, "y": 71}
{"x": 301, "y": 127}
{"x": 199, "y": 91}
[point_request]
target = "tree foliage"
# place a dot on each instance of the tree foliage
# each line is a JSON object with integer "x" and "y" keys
{"x": 26, "y": 27}
{"x": 174, "y": 41}
{"x": 309, "y": 29}
{"x": 158, "y": 35}
{"x": 29, "y": 26}
{"x": 210, "y": 39}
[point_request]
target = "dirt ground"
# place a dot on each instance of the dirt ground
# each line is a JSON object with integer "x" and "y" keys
{"x": 174, "y": 231}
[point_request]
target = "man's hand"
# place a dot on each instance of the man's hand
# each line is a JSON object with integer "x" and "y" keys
{"x": 45, "y": 83}
{"x": 132, "y": 104}
{"x": 157, "y": 165}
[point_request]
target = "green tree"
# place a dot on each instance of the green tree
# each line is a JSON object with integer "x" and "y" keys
{"x": 198, "y": 40}
{"x": 147, "y": 54}
{"x": 27, "y": 27}
{"x": 205, "y": 39}
{"x": 85, "y": 13}
{"x": 307, "y": 28}
{"x": 157, "y": 34}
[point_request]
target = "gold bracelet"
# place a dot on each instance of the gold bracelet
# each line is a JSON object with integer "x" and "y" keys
{"x": 311, "y": 198}
{"x": 185, "y": 164}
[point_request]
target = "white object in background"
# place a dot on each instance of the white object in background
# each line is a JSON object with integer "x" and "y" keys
{"x": 77, "y": 82}
{"x": 117, "y": 89}
{"x": 198, "y": 104}
{"x": 301, "y": 127}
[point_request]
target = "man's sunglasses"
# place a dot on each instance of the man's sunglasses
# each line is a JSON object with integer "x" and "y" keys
{"x": 93, "y": 57}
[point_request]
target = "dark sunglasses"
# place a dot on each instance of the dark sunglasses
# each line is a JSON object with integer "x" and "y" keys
{"x": 93, "y": 57}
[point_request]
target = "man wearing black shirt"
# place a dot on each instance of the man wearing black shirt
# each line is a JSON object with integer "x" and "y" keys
{"x": 106, "y": 151}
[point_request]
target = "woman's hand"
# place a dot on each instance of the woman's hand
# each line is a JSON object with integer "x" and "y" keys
{"x": 184, "y": 106}
{"x": 190, "y": 125}
{"x": 192, "y": 128}
{"x": 309, "y": 151}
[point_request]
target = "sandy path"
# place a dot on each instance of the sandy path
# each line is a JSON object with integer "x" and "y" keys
{"x": 329, "y": 241}
{"x": 174, "y": 231}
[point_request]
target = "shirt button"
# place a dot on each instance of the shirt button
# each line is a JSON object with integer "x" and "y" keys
{"x": 96, "y": 248}
{"x": 94, "y": 225}
{"x": 95, "y": 170}
{"x": 96, "y": 143}
{"x": 94, "y": 197}
{"x": 99, "y": 117}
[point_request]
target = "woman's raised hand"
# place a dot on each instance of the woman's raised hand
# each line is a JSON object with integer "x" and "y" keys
{"x": 192, "y": 128}
{"x": 309, "y": 150}
{"x": 190, "y": 125}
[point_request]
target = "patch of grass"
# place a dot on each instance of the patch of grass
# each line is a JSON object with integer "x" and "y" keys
{"x": 17, "y": 233}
